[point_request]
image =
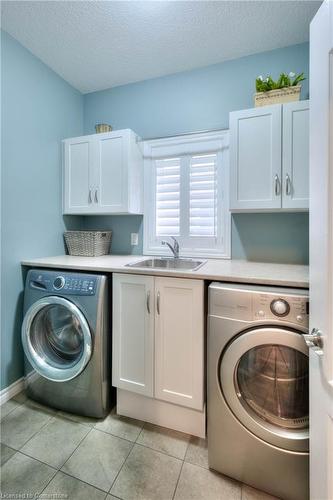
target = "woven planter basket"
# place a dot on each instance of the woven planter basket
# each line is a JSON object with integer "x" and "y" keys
{"x": 279, "y": 96}
{"x": 88, "y": 243}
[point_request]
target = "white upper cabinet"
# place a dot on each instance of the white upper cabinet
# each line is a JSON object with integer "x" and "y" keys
{"x": 255, "y": 158}
{"x": 295, "y": 159}
{"x": 269, "y": 158}
{"x": 103, "y": 174}
{"x": 77, "y": 195}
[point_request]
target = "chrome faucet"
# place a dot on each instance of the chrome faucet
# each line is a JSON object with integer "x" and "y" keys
{"x": 174, "y": 248}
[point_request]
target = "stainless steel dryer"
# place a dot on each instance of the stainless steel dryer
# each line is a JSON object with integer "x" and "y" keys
{"x": 258, "y": 394}
{"x": 66, "y": 339}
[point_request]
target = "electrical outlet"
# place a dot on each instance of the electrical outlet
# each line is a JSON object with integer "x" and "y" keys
{"x": 134, "y": 239}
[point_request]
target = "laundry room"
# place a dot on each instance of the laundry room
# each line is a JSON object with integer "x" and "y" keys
{"x": 166, "y": 249}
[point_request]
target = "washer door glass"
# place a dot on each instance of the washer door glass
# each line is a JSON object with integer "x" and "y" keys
{"x": 56, "y": 339}
{"x": 273, "y": 381}
{"x": 264, "y": 379}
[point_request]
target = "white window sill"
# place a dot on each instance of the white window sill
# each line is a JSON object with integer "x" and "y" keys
{"x": 188, "y": 254}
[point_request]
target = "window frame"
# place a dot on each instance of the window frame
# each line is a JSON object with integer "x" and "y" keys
{"x": 181, "y": 146}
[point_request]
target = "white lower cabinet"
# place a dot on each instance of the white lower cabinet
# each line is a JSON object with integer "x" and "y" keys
{"x": 179, "y": 341}
{"x": 133, "y": 333}
{"x": 158, "y": 338}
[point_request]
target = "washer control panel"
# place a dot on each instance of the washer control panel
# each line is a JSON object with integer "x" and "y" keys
{"x": 63, "y": 283}
{"x": 59, "y": 282}
{"x": 292, "y": 308}
{"x": 280, "y": 307}
{"x": 259, "y": 303}
{"x": 78, "y": 285}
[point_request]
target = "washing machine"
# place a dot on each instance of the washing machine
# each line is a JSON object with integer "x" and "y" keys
{"x": 258, "y": 387}
{"x": 66, "y": 337}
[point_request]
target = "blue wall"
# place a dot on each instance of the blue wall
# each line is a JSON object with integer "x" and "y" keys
{"x": 193, "y": 100}
{"x": 280, "y": 237}
{"x": 38, "y": 110}
{"x": 198, "y": 100}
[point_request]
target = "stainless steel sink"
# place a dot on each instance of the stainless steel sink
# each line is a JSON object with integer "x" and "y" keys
{"x": 168, "y": 263}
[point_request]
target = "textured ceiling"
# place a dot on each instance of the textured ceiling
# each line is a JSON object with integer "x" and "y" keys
{"x": 100, "y": 44}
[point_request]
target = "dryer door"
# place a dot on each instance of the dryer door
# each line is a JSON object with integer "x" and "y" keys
{"x": 56, "y": 339}
{"x": 264, "y": 378}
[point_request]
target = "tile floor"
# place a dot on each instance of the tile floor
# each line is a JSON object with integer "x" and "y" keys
{"x": 50, "y": 454}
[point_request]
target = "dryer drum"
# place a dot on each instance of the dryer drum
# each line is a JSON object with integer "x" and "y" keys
{"x": 56, "y": 339}
{"x": 56, "y": 333}
{"x": 273, "y": 381}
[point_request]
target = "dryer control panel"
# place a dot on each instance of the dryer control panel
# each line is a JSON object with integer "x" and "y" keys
{"x": 261, "y": 303}
{"x": 63, "y": 283}
{"x": 292, "y": 308}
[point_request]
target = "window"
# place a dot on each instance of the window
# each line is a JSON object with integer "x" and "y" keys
{"x": 186, "y": 189}
{"x": 167, "y": 197}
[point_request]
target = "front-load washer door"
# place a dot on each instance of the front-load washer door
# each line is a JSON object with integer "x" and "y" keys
{"x": 264, "y": 378}
{"x": 56, "y": 339}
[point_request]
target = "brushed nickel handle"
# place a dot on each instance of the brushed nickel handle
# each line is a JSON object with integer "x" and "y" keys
{"x": 277, "y": 185}
{"x": 288, "y": 185}
{"x": 89, "y": 197}
{"x": 96, "y": 195}
{"x": 158, "y": 302}
{"x": 314, "y": 339}
{"x": 148, "y": 302}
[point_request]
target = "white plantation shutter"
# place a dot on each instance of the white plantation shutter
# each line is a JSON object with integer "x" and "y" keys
{"x": 167, "y": 196}
{"x": 186, "y": 189}
{"x": 203, "y": 195}
{"x": 200, "y": 190}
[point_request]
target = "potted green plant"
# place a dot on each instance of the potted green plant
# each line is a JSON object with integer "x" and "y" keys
{"x": 286, "y": 88}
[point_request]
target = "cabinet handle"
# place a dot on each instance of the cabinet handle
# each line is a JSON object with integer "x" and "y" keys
{"x": 158, "y": 303}
{"x": 96, "y": 195}
{"x": 89, "y": 196}
{"x": 277, "y": 185}
{"x": 288, "y": 185}
{"x": 148, "y": 302}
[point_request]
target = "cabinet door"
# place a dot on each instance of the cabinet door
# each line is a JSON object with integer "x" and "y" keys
{"x": 179, "y": 341}
{"x": 295, "y": 160}
{"x": 133, "y": 333}
{"x": 255, "y": 158}
{"x": 77, "y": 193}
{"x": 111, "y": 171}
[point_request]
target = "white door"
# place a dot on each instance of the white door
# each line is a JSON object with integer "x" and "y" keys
{"x": 295, "y": 156}
{"x": 133, "y": 333}
{"x": 110, "y": 186}
{"x": 321, "y": 253}
{"x": 179, "y": 341}
{"x": 77, "y": 193}
{"x": 255, "y": 158}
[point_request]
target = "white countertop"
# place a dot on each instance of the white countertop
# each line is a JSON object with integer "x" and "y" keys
{"x": 239, "y": 271}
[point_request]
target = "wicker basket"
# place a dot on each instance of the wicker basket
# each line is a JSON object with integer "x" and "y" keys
{"x": 287, "y": 94}
{"x": 88, "y": 243}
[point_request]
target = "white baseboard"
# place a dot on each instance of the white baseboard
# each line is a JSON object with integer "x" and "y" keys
{"x": 161, "y": 413}
{"x": 11, "y": 391}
